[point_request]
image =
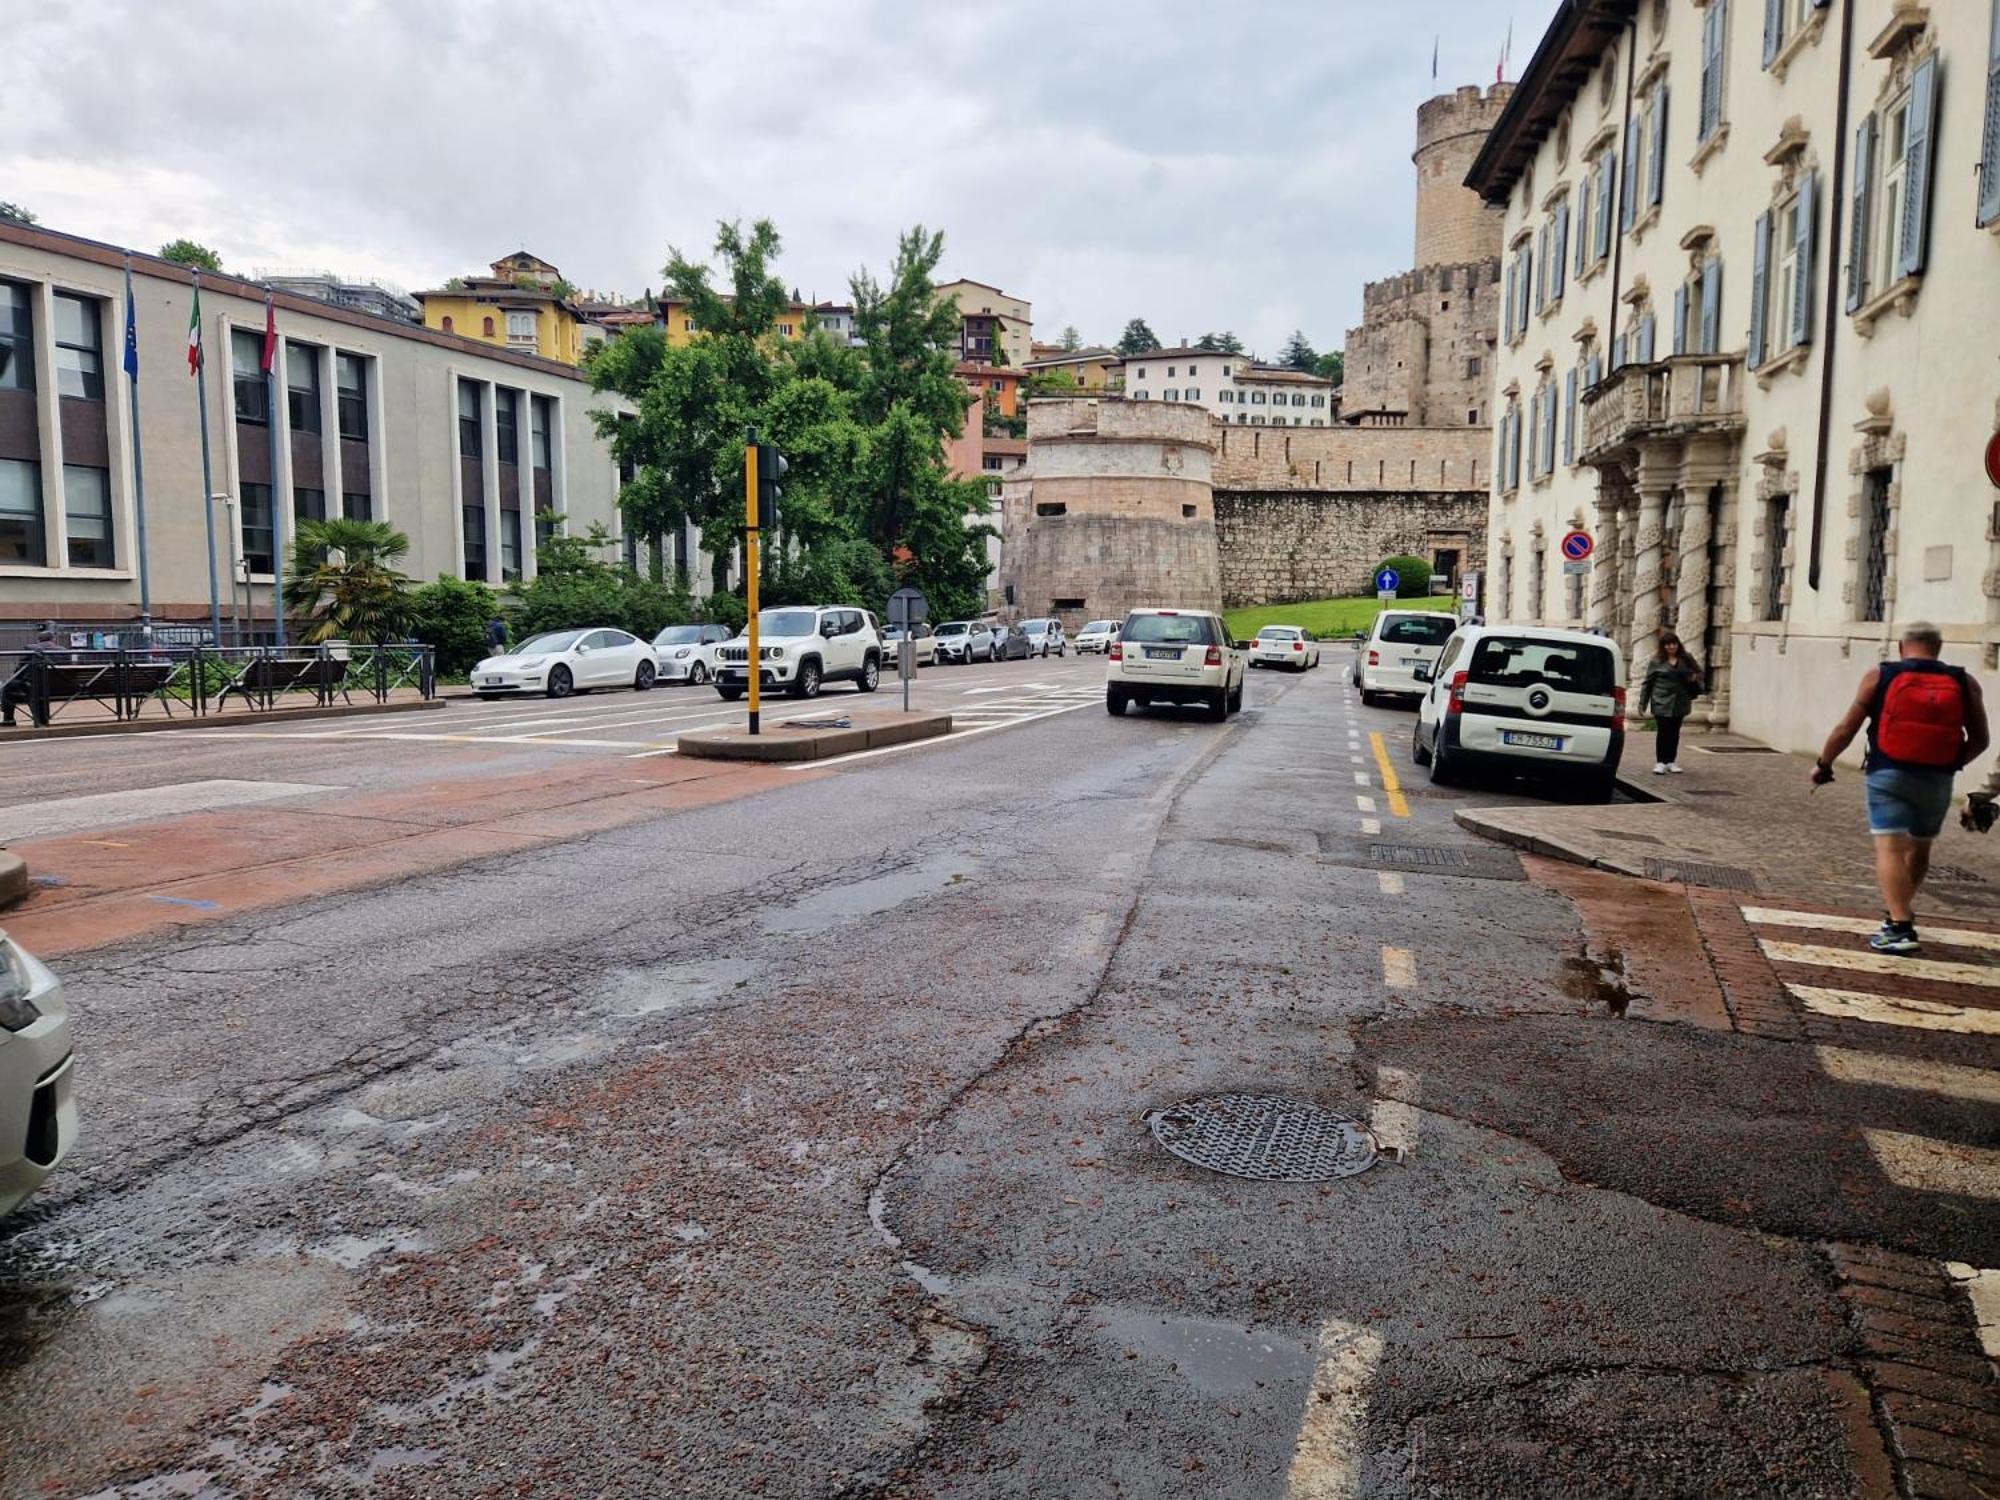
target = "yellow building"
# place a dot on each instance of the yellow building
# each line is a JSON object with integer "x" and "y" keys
{"x": 523, "y": 305}
{"x": 678, "y": 322}
{"x": 995, "y": 328}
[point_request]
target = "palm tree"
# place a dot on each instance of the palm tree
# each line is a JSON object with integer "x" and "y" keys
{"x": 346, "y": 585}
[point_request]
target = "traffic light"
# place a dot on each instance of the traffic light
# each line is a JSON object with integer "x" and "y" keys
{"x": 771, "y": 468}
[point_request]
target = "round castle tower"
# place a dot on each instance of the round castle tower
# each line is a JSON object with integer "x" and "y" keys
{"x": 1453, "y": 226}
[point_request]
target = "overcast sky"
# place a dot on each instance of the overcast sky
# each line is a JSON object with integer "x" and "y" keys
{"x": 1203, "y": 165}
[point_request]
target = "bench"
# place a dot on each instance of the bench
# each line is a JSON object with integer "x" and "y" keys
{"x": 267, "y": 675}
{"x": 122, "y": 687}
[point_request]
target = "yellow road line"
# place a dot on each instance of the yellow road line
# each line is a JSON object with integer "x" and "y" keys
{"x": 1398, "y": 804}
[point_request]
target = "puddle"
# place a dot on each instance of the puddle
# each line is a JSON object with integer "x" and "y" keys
{"x": 917, "y": 1271}
{"x": 869, "y": 898}
{"x": 1599, "y": 978}
{"x": 630, "y": 993}
{"x": 1216, "y": 1358}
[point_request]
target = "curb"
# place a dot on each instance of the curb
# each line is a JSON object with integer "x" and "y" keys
{"x": 1477, "y": 821}
{"x": 13, "y": 878}
{"x": 820, "y": 744}
{"x": 217, "y": 721}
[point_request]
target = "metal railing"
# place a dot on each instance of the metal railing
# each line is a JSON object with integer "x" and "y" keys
{"x": 203, "y": 681}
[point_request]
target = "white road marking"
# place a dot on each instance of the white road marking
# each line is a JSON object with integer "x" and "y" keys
{"x": 1894, "y": 1010}
{"x": 1933, "y": 1166}
{"x": 1390, "y": 882}
{"x": 1361, "y": 778}
{"x": 935, "y": 740}
{"x": 1364, "y": 804}
{"x": 1982, "y": 1290}
{"x": 1889, "y": 1070}
{"x": 1961, "y": 937}
{"x": 1371, "y": 825}
{"x": 1326, "y": 1464}
{"x": 50, "y": 816}
{"x": 1393, "y": 1121}
{"x": 1864, "y": 961}
{"x": 1399, "y": 968}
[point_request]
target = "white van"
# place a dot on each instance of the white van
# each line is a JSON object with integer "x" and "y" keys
{"x": 1400, "y": 641}
{"x": 1525, "y": 699}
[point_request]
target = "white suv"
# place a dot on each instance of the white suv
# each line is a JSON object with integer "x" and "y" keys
{"x": 1174, "y": 656}
{"x": 1524, "y": 699}
{"x": 802, "y": 647}
{"x": 964, "y": 641}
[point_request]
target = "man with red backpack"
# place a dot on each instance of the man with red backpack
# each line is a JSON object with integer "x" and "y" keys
{"x": 1925, "y": 720}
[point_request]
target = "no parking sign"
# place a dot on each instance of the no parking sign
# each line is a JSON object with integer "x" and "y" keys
{"x": 1577, "y": 546}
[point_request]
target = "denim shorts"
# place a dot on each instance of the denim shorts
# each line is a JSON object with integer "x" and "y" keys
{"x": 1910, "y": 802}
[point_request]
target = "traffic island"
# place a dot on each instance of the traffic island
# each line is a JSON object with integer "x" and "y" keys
{"x": 809, "y": 735}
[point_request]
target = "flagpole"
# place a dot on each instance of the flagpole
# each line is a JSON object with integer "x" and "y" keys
{"x": 198, "y": 354}
{"x": 138, "y": 459}
{"x": 279, "y": 503}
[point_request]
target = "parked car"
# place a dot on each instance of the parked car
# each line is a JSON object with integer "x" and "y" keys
{"x": 801, "y": 648}
{"x": 686, "y": 653}
{"x": 1399, "y": 642}
{"x": 1098, "y": 635}
{"x": 559, "y": 662}
{"x": 1285, "y": 646}
{"x": 964, "y": 641}
{"x": 921, "y": 637}
{"x": 1174, "y": 656}
{"x": 1044, "y": 637}
{"x": 38, "y": 1116}
{"x": 1524, "y": 699}
{"x": 1010, "y": 643}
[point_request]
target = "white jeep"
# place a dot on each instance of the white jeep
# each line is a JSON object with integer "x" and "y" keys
{"x": 800, "y": 648}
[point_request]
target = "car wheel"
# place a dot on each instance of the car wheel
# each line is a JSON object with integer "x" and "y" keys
{"x": 1115, "y": 701}
{"x": 1419, "y": 751}
{"x": 698, "y": 673}
{"x": 1444, "y": 770}
{"x": 806, "y": 684}
{"x": 729, "y": 694}
{"x": 561, "y": 683}
{"x": 1236, "y": 700}
{"x": 642, "y": 680}
{"x": 1218, "y": 706}
{"x": 1600, "y": 786}
{"x": 1368, "y": 699}
{"x": 871, "y": 675}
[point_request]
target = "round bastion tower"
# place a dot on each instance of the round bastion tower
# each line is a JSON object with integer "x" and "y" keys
{"x": 1454, "y": 227}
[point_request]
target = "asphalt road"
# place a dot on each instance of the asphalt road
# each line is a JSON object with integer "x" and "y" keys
{"x": 798, "y": 1145}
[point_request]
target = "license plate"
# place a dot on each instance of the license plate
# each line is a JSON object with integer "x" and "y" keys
{"x": 493, "y": 681}
{"x": 1162, "y": 653}
{"x": 1531, "y": 741}
{"x": 1413, "y": 661}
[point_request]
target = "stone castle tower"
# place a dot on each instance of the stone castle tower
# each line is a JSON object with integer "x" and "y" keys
{"x": 1454, "y": 227}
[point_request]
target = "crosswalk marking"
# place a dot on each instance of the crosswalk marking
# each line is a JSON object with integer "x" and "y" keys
{"x": 1932, "y": 1166}
{"x": 1959, "y": 937}
{"x": 1894, "y": 1010}
{"x": 1891, "y": 1070}
{"x": 1866, "y": 962}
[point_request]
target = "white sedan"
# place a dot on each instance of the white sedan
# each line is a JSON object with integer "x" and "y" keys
{"x": 1284, "y": 646}
{"x": 37, "y": 1112}
{"x": 687, "y": 652}
{"x": 561, "y": 662}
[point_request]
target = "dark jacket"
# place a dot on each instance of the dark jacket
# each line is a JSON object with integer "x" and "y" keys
{"x": 1670, "y": 688}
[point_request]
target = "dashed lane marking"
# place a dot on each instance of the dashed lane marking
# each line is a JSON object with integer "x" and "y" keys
{"x": 1893, "y": 1010}
{"x": 1399, "y": 968}
{"x": 1958, "y": 937}
{"x": 1361, "y": 778}
{"x": 1371, "y": 825}
{"x": 1390, "y": 881}
{"x": 1364, "y": 804}
{"x": 1326, "y": 1463}
{"x": 1863, "y": 962}
{"x": 1392, "y": 788}
{"x": 1393, "y": 1120}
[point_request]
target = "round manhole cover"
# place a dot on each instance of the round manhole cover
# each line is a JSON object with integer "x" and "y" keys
{"x": 1266, "y": 1137}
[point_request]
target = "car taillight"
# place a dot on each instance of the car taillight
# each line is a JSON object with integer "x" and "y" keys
{"x": 1456, "y": 703}
{"x": 1618, "y": 708}
{"x": 1298, "y": 645}
{"x": 1117, "y": 652}
{"x": 1374, "y": 658}
{"x": 1214, "y": 657}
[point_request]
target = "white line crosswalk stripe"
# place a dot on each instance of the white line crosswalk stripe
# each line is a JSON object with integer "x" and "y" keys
{"x": 1896, "y": 1010}
{"x": 1865, "y": 962}
{"x": 1958, "y": 937}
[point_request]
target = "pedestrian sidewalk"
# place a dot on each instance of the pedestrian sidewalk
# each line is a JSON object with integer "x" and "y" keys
{"x": 1744, "y": 817}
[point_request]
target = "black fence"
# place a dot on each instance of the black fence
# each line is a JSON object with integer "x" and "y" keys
{"x": 203, "y": 681}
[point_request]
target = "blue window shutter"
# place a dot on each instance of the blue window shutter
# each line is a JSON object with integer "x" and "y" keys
{"x": 1802, "y": 284}
{"x": 1593, "y": 372}
{"x": 1863, "y": 166}
{"x": 1560, "y": 258}
{"x": 1711, "y": 307}
{"x": 1680, "y": 318}
{"x": 1569, "y": 416}
{"x": 1713, "y": 23}
{"x": 1507, "y": 307}
{"x": 1527, "y": 281}
{"x": 1911, "y": 241}
{"x": 1774, "y": 29}
{"x": 1542, "y": 270}
{"x": 1656, "y": 164}
{"x": 1583, "y": 221}
{"x": 1607, "y": 173}
{"x": 1646, "y": 339}
{"x": 1760, "y": 274}
{"x": 1989, "y": 135}
{"x": 1628, "y": 190}
{"x": 1618, "y": 352}
{"x": 1549, "y": 428}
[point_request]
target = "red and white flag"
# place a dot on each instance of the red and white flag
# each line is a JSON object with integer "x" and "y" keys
{"x": 194, "y": 332}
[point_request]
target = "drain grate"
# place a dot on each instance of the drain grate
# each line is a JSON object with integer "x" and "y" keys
{"x": 1957, "y": 872}
{"x": 1630, "y": 838}
{"x": 1707, "y": 791}
{"x": 1735, "y": 749}
{"x": 1429, "y": 856}
{"x": 1264, "y": 1136}
{"x": 1697, "y": 872}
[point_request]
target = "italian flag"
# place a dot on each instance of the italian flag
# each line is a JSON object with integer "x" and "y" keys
{"x": 194, "y": 333}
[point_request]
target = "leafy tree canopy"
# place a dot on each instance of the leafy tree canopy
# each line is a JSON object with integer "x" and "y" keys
{"x": 187, "y": 253}
{"x": 17, "y": 213}
{"x": 1137, "y": 338}
{"x": 1222, "y": 343}
{"x": 345, "y": 583}
{"x": 1071, "y": 339}
{"x": 1332, "y": 366}
{"x": 451, "y": 615}
{"x": 1297, "y": 353}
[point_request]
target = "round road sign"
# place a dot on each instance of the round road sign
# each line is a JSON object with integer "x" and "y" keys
{"x": 1578, "y": 545}
{"x": 1388, "y": 581}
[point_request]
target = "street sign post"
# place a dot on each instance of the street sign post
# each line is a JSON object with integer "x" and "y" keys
{"x": 1577, "y": 546}
{"x": 908, "y": 608}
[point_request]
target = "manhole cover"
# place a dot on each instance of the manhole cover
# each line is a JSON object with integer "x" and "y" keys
{"x": 1696, "y": 872}
{"x": 1418, "y": 854}
{"x": 1266, "y": 1137}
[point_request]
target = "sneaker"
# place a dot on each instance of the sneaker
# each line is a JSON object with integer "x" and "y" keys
{"x": 1661, "y": 769}
{"x": 1895, "y": 937}
{"x": 1675, "y": 770}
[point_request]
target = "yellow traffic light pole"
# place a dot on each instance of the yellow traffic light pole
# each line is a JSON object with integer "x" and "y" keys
{"x": 751, "y": 569}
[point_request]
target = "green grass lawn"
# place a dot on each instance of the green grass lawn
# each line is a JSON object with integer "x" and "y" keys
{"x": 1326, "y": 618}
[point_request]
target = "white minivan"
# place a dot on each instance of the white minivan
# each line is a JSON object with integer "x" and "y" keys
{"x": 1400, "y": 641}
{"x": 1525, "y": 699}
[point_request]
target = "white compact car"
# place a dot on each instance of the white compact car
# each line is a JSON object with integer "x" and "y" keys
{"x": 1098, "y": 635}
{"x": 964, "y": 641}
{"x": 922, "y": 639}
{"x": 1400, "y": 642}
{"x": 802, "y": 647}
{"x": 1525, "y": 699}
{"x": 1174, "y": 656}
{"x": 37, "y": 1112}
{"x": 560, "y": 662}
{"x": 1284, "y": 646}
{"x": 686, "y": 653}
{"x": 1044, "y": 636}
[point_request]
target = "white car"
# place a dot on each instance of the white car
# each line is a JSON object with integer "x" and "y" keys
{"x": 1044, "y": 636}
{"x": 1098, "y": 635}
{"x": 560, "y": 662}
{"x": 922, "y": 639}
{"x": 964, "y": 641}
{"x": 1174, "y": 656}
{"x": 802, "y": 647}
{"x": 686, "y": 653}
{"x": 37, "y": 1110}
{"x": 1400, "y": 642}
{"x": 1525, "y": 699}
{"x": 1285, "y": 646}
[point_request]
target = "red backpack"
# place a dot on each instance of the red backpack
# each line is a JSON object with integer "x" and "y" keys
{"x": 1922, "y": 718}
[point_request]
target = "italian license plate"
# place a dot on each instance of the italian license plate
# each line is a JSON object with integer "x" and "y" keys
{"x": 1413, "y": 661}
{"x": 1531, "y": 741}
{"x": 1162, "y": 653}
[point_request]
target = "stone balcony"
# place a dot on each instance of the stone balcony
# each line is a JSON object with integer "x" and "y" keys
{"x": 1683, "y": 396}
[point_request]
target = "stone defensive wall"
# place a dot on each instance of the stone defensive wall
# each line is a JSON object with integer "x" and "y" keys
{"x": 1265, "y": 460}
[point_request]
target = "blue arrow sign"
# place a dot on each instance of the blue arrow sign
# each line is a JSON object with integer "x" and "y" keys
{"x": 1388, "y": 581}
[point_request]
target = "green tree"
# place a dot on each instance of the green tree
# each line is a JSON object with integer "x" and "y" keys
{"x": 1331, "y": 366}
{"x": 450, "y": 615}
{"x": 345, "y": 585}
{"x": 1071, "y": 340}
{"x": 187, "y": 253}
{"x": 1222, "y": 343}
{"x": 575, "y": 587}
{"x": 1297, "y": 353}
{"x": 17, "y": 213}
{"x": 1137, "y": 338}
{"x": 1050, "y": 383}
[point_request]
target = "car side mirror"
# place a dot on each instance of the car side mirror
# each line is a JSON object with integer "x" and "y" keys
{"x": 826, "y": 629}
{"x": 1245, "y": 645}
{"x": 582, "y": 649}
{"x": 1422, "y": 674}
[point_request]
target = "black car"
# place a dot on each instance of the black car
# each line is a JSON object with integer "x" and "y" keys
{"x": 1009, "y": 642}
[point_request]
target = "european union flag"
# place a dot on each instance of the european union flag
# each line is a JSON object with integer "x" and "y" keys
{"x": 131, "y": 328}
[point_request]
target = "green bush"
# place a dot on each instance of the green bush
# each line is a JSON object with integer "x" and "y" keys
{"x": 451, "y": 615}
{"x": 1413, "y": 573}
{"x": 724, "y": 609}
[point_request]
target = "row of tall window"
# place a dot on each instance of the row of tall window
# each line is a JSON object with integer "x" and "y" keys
{"x": 77, "y": 350}
{"x": 532, "y": 492}
{"x": 302, "y": 385}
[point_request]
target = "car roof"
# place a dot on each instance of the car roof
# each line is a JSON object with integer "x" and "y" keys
{"x": 1554, "y": 634}
{"x": 1168, "y": 610}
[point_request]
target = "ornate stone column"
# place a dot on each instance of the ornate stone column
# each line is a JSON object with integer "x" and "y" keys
{"x": 1691, "y": 570}
{"x": 1604, "y": 573}
{"x": 1656, "y": 481}
{"x": 1712, "y": 469}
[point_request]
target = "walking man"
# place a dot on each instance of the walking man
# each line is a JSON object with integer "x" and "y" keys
{"x": 19, "y": 688}
{"x": 1925, "y": 719}
{"x": 496, "y": 636}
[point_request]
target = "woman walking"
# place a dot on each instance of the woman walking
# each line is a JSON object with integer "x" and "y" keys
{"x": 1673, "y": 682}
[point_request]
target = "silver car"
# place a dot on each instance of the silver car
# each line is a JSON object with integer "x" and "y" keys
{"x": 37, "y": 1110}
{"x": 1045, "y": 637}
{"x": 964, "y": 642}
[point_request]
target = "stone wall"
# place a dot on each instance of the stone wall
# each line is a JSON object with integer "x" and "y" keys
{"x": 1453, "y": 225}
{"x": 1275, "y": 547}
{"x": 1356, "y": 459}
{"x": 1424, "y": 347}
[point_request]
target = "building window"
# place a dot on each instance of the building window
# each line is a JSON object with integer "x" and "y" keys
{"x": 510, "y": 544}
{"x": 17, "y": 339}
{"x": 447, "y": 323}
{"x": 79, "y": 347}
{"x": 784, "y": 330}
{"x": 468, "y": 421}
{"x": 351, "y": 376}
{"x": 538, "y": 440}
{"x": 1781, "y": 277}
{"x": 246, "y": 358}
{"x": 1226, "y": 397}
{"x": 487, "y": 327}
{"x": 1256, "y": 398}
{"x": 87, "y": 510}
{"x": 1170, "y": 394}
{"x": 1891, "y": 170}
{"x": 1777, "y": 533}
{"x": 308, "y": 504}
{"x": 257, "y": 540}
{"x": 1875, "y": 544}
{"x": 302, "y": 387}
{"x": 1193, "y": 394}
{"x": 521, "y": 328}
{"x": 1714, "y": 35}
{"x": 1172, "y": 371}
{"x": 357, "y": 506}
{"x": 23, "y": 538}
{"x": 473, "y": 519}
{"x": 1538, "y": 578}
{"x": 506, "y": 430}
{"x": 1784, "y": 20}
